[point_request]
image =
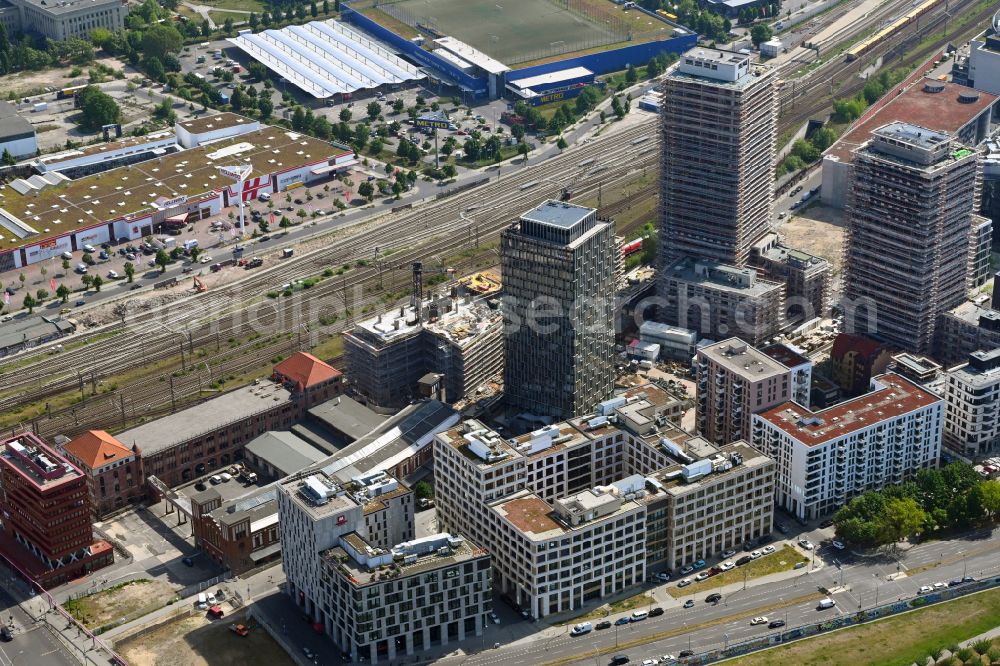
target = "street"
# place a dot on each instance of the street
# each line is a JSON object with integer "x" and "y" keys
{"x": 34, "y": 644}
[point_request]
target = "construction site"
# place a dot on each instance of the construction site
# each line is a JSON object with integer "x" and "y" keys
{"x": 445, "y": 345}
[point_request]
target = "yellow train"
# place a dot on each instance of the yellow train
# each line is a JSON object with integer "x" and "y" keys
{"x": 866, "y": 45}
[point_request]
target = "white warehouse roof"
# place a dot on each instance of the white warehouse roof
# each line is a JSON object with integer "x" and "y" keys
{"x": 326, "y": 57}
{"x": 552, "y": 77}
{"x": 475, "y": 56}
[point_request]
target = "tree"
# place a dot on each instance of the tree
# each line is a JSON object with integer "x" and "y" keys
{"x": 160, "y": 39}
{"x": 374, "y": 110}
{"x": 517, "y": 131}
{"x": 522, "y": 150}
{"x": 449, "y": 171}
{"x": 265, "y": 107}
{"x": 631, "y": 75}
{"x": 561, "y": 144}
{"x": 42, "y": 294}
{"x": 65, "y": 265}
{"x": 227, "y": 26}
{"x": 398, "y": 105}
{"x": 154, "y": 68}
{"x": 289, "y": 13}
{"x": 345, "y": 115}
{"x": 989, "y": 497}
{"x": 300, "y": 12}
{"x": 78, "y": 51}
{"x": 29, "y": 303}
{"x": 366, "y": 190}
{"x": 424, "y": 490}
{"x": 313, "y": 10}
{"x": 326, "y": 6}
{"x": 254, "y": 21}
{"x": 161, "y": 260}
{"x": 195, "y": 253}
{"x": 97, "y": 108}
{"x": 206, "y": 28}
{"x": 87, "y": 280}
{"x": 397, "y": 187}
{"x": 22, "y": 278}
{"x": 98, "y": 282}
{"x": 265, "y": 18}
{"x": 8, "y": 159}
{"x": 901, "y": 517}
{"x": 63, "y": 292}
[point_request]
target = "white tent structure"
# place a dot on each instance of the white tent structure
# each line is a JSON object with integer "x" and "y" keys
{"x": 325, "y": 58}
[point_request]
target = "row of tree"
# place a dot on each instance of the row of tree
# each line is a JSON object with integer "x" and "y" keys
{"x": 709, "y": 24}
{"x": 952, "y": 497}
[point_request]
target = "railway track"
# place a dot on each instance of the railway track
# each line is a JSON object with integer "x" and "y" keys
{"x": 208, "y": 332}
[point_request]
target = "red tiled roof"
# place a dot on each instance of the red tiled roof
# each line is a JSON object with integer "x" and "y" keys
{"x": 937, "y": 111}
{"x": 306, "y": 370}
{"x": 96, "y": 448}
{"x": 900, "y": 396}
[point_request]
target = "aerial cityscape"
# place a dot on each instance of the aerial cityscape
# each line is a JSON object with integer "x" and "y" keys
{"x": 466, "y": 332}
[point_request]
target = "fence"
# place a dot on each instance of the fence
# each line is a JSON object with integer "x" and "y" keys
{"x": 860, "y": 617}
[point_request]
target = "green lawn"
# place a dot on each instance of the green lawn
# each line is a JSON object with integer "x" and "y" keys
{"x": 242, "y": 5}
{"x": 896, "y": 641}
{"x": 783, "y": 560}
{"x": 642, "y": 600}
{"x": 220, "y": 16}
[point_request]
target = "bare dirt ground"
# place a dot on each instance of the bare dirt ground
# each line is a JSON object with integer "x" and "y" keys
{"x": 99, "y": 609}
{"x": 198, "y": 641}
{"x": 35, "y": 82}
{"x": 819, "y": 230}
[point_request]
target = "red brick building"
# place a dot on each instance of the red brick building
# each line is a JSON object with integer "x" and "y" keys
{"x": 307, "y": 376}
{"x": 114, "y": 471}
{"x": 240, "y": 534}
{"x": 855, "y": 360}
{"x": 46, "y": 513}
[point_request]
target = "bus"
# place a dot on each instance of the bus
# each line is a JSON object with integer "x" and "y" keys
{"x": 68, "y": 93}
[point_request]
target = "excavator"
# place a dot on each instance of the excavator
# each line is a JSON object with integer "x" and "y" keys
{"x": 199, "y": 286}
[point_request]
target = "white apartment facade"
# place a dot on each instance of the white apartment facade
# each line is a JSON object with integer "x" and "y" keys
{"x": 826, "y": 457}
{"x": 972, "y": 405}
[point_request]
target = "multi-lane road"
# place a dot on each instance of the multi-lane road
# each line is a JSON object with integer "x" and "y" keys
{"x": 855, "y": 582}
{"x": 33, "y": 643}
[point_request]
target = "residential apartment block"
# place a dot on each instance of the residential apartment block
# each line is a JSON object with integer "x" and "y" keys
{"x": 719, "y": 301}
{"x": 458, "y": 337}
{"x": 826, "y": 457}
{"x": 47, "y": 531}
{"x": 910, "y": 234}
{"x": 584, "y": 508}
{"x": 376, "y": 595}
{"x": 801, "y": 367}
{"x": 806, "y": 278}
{"x": 719, "y": 127}
{"x": 735, "y": 380}
{"x": 972, "y": 405}
{"x": 558, "y": 264}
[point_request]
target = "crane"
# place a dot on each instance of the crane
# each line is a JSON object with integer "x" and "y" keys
{"x": 199, "y": 286}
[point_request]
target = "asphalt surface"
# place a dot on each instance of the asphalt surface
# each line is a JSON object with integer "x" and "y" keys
{"x": 33, "y": 644}
{"x": 854, "y": 580}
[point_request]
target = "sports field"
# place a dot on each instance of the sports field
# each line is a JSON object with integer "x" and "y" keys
{"x": 514, "y": 31}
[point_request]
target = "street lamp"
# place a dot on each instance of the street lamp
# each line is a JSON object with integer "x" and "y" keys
{"x": 725, "y": 638}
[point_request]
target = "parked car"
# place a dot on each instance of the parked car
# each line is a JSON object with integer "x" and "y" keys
{"x": 699, "y": 564}
{"x": 88, "y": 248}
{"x": 686, "y": 570}
{"x": 806, "y": 543}
{"x": 663, "y": 576}
{"x": 619, "y": 659}
{"x": 755, "y": 555}
{"x": 581, "y": 628}
{"x": 604, "y": 624}
{"x": 826, "y": 603}
{"x": 713, "y": 598}
{"x": 726, "y": 566}
{"x": 689, "y": 603}
{"x": 704, "y": 575}
{"x": 685, "y": 653}
{"x": 726, "y": 554}
{"x": 767, "y": 550}
{"x": 684, "y": 583}
{"x": 743, "y": 560}
{"x": 113, "y": 275}
{"x": 622, "y": 620}
{"x": 638, "y": 616}
{"x": 656, "y": 612}
{"x": 825, "y": 524}
{"x": 775, "y": 624}
{"x": 839, "y": 545}
{"x": 68, "y": 256}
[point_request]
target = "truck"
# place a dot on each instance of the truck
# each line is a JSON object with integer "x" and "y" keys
{"x": 190, "y": 245}
{"x": 40, "y": 106}
{"x": 224, "y": 98}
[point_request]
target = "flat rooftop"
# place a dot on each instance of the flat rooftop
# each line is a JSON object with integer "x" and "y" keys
{"x": 668, "y": 480}
{"x": 914, "y": 135}
{"x": 107, "y": 148}
{"x": 128, "y": 191}
{"x": 335, "y": 503}
{"x": 40, "y": 465}
{"x": 560, "y": 214}
{"x": 167, "y": 431}
{"x": 215, "y": 121}
{"x": 473, "y": 55}
{"x": 552, "y": 77}
{"x": 900, "y": 396}
{"x": 983, "y": 369}
{"x": 535, "y": 518}
{"x": 360, "y": 574}
{"x": 720, "y": 277}
{"x": 740, "y": 358}
{"x": 917, "y": 106}
{"x": 347, "y": 416}
{"x": 12, "y": 125}
{"x": 785, "y": 355}
{"x": 461, "y": 324}
{"x": 67, "y": 6}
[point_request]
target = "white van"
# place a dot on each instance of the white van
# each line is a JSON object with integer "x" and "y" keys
{"x": 639, "y": 615}
{"x": 202, "y": 603}
{"x": 826, "y": 603}
{"x": 264, "y": 196}
{"x": 582, "y": 628}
